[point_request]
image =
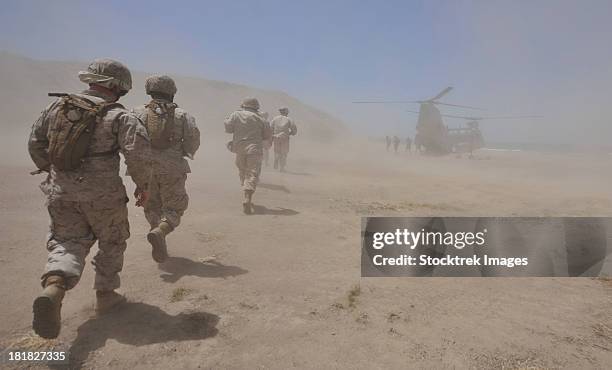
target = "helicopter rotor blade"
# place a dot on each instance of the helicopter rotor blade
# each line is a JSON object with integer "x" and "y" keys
{"x": 463, "y": 117}
{"x": 508, "y": 117}
{"x": 489, "y": 118}
{"x": 456, "y": 105}
{"x": 449, "y": 116}
{"x": 386, "y": 102}
{"x": 442, "y": 93}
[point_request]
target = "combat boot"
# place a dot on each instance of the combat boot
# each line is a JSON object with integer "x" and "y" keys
{"x": 157, "y": 238}
{"x": 106, "y": 300}
{"x": 247, "y": 205}
{"x": 47, "y": 307}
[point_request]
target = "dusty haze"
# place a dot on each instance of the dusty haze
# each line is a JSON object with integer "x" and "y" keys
{"x": 282, "y": 288}
{"x": 546, "y": 58}
{"x": 26, "y": 80}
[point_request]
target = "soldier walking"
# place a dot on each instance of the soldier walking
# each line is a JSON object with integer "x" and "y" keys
{"x": 396, "y": 143}
{"x": 174, "y": 136}
{"x": 408, "y": 144}
{"x": 249, "y": 131}
{"x": 283, "y": 128}
{"x": 77, "y": 141}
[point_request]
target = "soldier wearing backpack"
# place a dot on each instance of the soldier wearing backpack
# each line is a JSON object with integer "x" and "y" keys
{"x": 174, "y": 136}
{"x": 77, "y": 141}
{"x": 249, "y": 130}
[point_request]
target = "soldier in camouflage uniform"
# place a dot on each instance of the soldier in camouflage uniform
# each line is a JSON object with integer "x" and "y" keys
{"x": 283, "y": 128}
{"x": 396, "y": 143}
{"x": 249, "y": 131}
{"x": 88, "y": 204}
{"x": 168, "y": 198}
{"x": 408, "y": 144}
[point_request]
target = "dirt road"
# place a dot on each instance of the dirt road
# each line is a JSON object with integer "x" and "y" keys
{"x": 282, "y": 288}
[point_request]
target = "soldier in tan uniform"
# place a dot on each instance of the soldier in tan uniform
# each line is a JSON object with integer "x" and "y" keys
{"x": 283, "y": 128}
{"x": 77, "y": 141}
{"x": 174, "y": 136}
{"x": 396, "y": 143}
{"x": 249, "y": 131}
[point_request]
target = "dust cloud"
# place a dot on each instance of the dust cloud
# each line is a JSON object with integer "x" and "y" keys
{"x": 285, "y": 282}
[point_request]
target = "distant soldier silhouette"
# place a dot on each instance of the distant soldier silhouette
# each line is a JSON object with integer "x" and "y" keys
{"x": 283, "y": 128}
{"x": 388, "y": 142}
{"x": 408, "y": 144}
{"x": 396, "y": 143}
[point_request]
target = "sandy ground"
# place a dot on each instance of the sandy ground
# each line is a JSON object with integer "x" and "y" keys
{"x": 284, "y": 290}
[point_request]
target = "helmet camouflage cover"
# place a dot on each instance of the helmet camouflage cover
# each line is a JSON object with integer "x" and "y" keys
{"x": 160, "y": 84}
{"x": 251, "y": 103}
{"x": 108, "y": 72}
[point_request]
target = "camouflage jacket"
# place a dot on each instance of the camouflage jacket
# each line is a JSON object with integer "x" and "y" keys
{"x": 98, "y": 177}
{"x": 283, "y": 127}
{"x": 187, "y": 142}
{"x": 249, "y": 131}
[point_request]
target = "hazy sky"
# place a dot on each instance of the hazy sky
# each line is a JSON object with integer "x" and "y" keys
{"x": 552, "y": 58}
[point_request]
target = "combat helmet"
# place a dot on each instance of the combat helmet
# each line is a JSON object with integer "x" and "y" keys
{"x": 160, "y": 84}
{"x": 109, "y": 73}
{"x": 250, "y": 103}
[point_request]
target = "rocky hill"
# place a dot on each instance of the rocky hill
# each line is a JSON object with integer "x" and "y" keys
{"x": 24, "y": 84}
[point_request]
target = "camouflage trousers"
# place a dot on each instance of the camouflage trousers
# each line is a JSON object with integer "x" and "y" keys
{"x": 249, "y": 169}
{"x": 168, "y": 199}
{"x": 74, "y": 229}
{"x": 281, "y": 149}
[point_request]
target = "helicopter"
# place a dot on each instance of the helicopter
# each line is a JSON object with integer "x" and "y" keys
{"x": 469, "y": 138}
{"x": 434, "y": 136}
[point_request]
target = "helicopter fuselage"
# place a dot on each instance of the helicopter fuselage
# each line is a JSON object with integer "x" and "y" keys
{"x": 431, "y": 132}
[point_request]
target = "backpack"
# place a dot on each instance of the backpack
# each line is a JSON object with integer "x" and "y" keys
{"x": 71, "y": 131}
{"x": 159, "y": 121}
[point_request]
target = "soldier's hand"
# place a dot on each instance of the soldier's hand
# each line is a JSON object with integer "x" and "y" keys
{"x": 141, "y": 197}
